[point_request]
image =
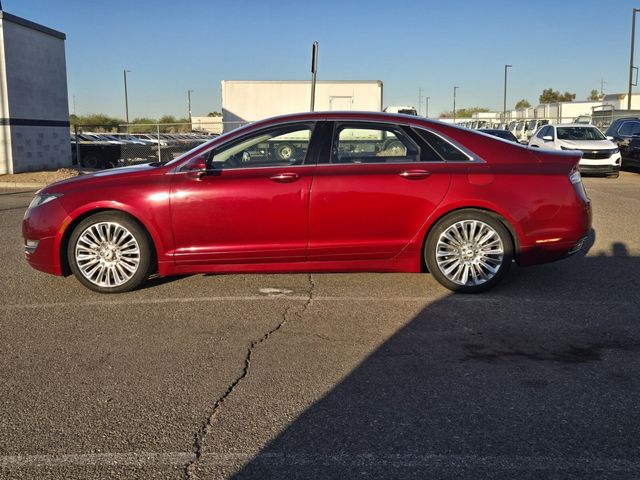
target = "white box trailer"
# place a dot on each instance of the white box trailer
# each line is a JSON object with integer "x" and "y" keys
{"x": 246, "y": 101}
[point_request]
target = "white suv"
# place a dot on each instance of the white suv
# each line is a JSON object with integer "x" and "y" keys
{"x": 599, "y": 154}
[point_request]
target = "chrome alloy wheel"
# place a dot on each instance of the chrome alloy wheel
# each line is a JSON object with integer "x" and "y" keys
{"x": 107, "y": 254}
{"x": 286, "y": 152}
{"x": 469, "y": 252}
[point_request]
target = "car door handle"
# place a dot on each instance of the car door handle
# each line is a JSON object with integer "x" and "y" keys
{"x": 285, "y": 177}
{"x": 415, "y": 174}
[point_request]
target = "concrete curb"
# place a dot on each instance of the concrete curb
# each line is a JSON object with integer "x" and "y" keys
{"x": 30, "y": 185}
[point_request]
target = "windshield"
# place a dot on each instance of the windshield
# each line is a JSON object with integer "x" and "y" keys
{"x": 579, "y": 133}
{"x": 531, "y": 124}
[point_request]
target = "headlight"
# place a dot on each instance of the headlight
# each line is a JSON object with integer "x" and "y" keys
{"x": 42, "y": 198}
{"x": 614, "y": 151}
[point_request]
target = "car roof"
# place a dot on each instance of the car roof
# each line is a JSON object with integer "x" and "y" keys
{"x": 575, "y": 125}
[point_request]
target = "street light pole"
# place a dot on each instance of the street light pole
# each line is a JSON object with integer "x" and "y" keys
{"x": 314, "y": 74}
{"x": 633, "y": 38}
{"x": 426, "y": 115}
{"x": 504, "y": 106}
{"x": 454, "y": 103}
{"x": 126, "y": 97}
{"x": 189, "y": 97}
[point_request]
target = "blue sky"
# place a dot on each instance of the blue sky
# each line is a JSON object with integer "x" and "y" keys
{"x": 173, "y": 46}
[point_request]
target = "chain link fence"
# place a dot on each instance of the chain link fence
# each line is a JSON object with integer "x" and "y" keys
{"x": 109, "y": 146}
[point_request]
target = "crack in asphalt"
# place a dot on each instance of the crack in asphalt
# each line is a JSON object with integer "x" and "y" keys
{"x": 205, "y": 429}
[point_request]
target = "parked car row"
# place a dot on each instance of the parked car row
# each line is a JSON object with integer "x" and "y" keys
{"x": 601, "y": 154}
{"x": 108, "y": 150}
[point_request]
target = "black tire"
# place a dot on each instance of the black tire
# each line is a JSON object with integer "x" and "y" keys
{"x": 452, "y": 219}
{"x": 285, "y": 152}
{"x": 145, "y": 264}
{"x": 391, "y": 144}
{"x": 91, "y": 161}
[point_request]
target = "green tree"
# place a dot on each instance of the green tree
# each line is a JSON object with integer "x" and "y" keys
{"x": 143, "y": 125}
{"x": 594, "y": 96}
{"x": 464, "y": 112}
{"x": 549, "y": 95}
{"x": 97, "y": 122}
{"x": 214, "y": 114}
{"x": 522, "y": 104}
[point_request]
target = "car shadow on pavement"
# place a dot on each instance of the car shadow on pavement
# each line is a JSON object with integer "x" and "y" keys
{"x": 538, "y": 378}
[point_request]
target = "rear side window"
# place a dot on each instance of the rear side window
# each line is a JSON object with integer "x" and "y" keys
{"x": 445, "y": 149}
{"x": 355, "y": 143}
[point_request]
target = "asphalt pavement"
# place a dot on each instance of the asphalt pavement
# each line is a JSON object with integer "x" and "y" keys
{"x": 328, "y": 375}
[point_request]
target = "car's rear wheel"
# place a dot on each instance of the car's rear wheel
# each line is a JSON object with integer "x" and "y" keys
{"x": 109, "y": 252}
{"x": 469, "y": 251}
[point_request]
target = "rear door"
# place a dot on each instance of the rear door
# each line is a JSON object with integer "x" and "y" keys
{"x": 374, "y": 187}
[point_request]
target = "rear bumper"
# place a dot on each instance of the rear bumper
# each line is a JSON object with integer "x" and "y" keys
{"x": 567, "y": 242}
{"x": 549, "y": 253}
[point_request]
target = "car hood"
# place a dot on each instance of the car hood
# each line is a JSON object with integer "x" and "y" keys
{"x": 112, "y": 173}
{"x": 588, "y": 144}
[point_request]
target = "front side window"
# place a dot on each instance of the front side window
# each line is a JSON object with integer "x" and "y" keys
{"x": 372, "y": 144}
{"x": 579, "y": 133}
{"x": 280, "y": 146}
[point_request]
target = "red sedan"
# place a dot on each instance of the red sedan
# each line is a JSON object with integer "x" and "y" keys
{"x": 317, "y": 192}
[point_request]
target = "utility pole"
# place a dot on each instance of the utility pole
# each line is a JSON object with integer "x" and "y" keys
{"x": 426, "y": 115}
{"x": 504, "y": 105}
{"x": 602, "y": 84}
{"x": 454, "y": 103}
{"x": 633, "y": 38}
{"x": 314, "y": 72}
{"x": 126, "y": 97}
{"x": 189, "y": 97}
{"x": 419, "y": 100}
{"x": 74, "y": 104}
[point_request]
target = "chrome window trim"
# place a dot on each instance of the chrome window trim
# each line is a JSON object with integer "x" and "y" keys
{"x": 472, "y": 157}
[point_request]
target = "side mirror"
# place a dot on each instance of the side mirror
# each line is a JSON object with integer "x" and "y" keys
{"x": 547, "y": 138}
{"x": 610, "y": 138}
{"x": 197, "y": 166}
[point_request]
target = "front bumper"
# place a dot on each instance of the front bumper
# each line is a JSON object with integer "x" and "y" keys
{"x": 44, "y": 224}
{"x": 599, "y": 169}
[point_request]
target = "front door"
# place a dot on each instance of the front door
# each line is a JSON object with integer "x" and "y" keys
{"x": 251, "y": 206}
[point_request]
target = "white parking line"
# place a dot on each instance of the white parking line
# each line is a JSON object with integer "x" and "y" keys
{"x": 138, "y": 459}
{"x": 423, "y": 461}
{"x": 301, "y": 298}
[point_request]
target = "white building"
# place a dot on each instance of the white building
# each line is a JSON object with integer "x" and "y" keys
{"x": 34, "y": 107}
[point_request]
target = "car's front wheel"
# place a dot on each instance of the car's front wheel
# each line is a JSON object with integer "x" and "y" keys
{"x": 469, "y": 251}
{"x": 109, "y": 252}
